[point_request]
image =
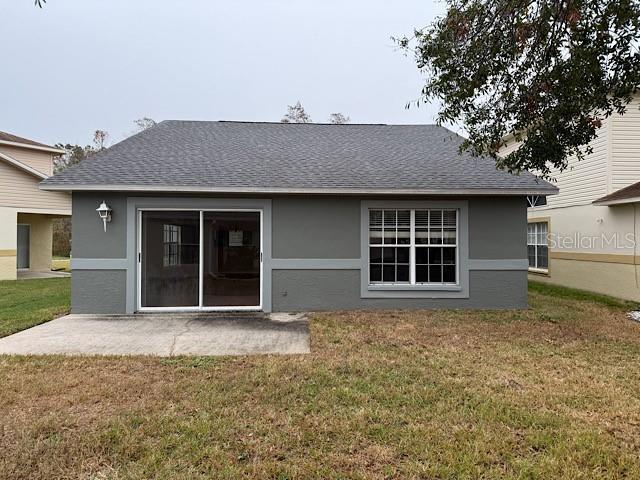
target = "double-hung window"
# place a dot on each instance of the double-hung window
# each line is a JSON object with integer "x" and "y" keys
{"x": 537, "y": 245}
{"x": 413, "y": 246}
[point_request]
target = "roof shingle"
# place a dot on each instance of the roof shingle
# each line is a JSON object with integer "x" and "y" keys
{"x": 281, "y": 157}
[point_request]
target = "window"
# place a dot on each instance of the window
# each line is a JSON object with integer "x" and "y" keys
{"x": 537, "y": 246}
{"x": 171, "y": 244}
{"x": 413, "y": 247}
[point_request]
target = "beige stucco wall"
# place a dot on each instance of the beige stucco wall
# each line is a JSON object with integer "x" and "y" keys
{"x": 8, "y": 239}
{"x": 593, "y": 248}
{"x": 40, "y": 240}
{"x": 615, "y": 279}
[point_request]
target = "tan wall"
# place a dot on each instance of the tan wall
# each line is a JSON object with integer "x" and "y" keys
{"x": 40, "y": 240}
{"x": 20, "y": 189}
{"x": 41, "y": 161}
{"x": 615, "y": 279}
{"x": 593, "y": 248}
{"x": 8, "y": 239}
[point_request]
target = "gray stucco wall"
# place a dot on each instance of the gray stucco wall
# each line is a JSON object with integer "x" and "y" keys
{"x": 295, "y": 290}
{"x": 314, "y": 258}
{"x": 98, "y": 291}
{"x": 316, "y": 228}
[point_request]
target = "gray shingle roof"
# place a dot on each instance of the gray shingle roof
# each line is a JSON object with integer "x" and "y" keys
{"x": 297, "y": 158}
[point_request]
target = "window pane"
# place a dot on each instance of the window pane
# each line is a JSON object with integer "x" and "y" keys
{"x": 170, "y": 259}
{"x": 404, "y": 236}
{"x": 389, "y": 273}
{"x": 422, "y": 218}
{"x": 389, "y": 255}
{"x": 389, "y": 218}
{"x": 375, "y": 218}
{"x": 375, "y": 255}
{"x": 435, "y": 274}
{"x": 404, "y": 218}
{"x": 531, "y": 254}
{"x": 543, "y": 261}
{"x": 435, "y": 255}
{"x": 422, "y": 274}
{"x": 449, "y": 218}
{"x": 422, "y": 236}
{"x": 449, "y": 274}
{"x": 403, "y": 273}
{"x": 403, "y": 254}
{"x": 422, "y": 255}
{"x": 449, "y": 236}
{"x": 375, "y": 273}
{"x": 435, "y": 218}
{"x": 389, "y": 237}
{"x": 435, "y": 235}
{"x": 375, "y": 235}
{"x": 449, "y": 256}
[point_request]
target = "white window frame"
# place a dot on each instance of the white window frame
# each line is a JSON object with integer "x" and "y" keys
{"x": 536, "y": 244}
{"x": 417, "y": 290}
{"x": 412, "y": 246}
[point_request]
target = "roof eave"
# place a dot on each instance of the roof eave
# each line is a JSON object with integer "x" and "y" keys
{"x": 43, "y": 148}
{"x": 612, "y": 202}
{"x": 300, "y": 191}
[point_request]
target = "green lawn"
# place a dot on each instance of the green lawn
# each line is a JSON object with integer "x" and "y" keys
{"x": 549, "y": 392}
{"x": 25, "y": 303}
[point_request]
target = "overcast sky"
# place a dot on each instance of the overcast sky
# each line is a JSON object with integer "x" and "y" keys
{"x": 79, "y": 65}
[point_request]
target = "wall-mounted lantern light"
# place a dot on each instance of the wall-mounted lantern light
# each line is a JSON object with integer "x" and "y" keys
{"x": 104, "y": 212}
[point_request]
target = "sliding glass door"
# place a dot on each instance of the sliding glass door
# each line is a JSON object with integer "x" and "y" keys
{"x": 200, "y": 260}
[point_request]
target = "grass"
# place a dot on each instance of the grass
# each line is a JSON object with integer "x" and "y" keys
{"x": 25, "y": 303}
{"x": 550, "y": 392}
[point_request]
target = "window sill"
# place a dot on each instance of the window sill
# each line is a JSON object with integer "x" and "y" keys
{"x": 413, "y": 288}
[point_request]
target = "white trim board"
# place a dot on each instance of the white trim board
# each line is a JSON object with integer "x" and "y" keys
{"x": 303, "y": 191}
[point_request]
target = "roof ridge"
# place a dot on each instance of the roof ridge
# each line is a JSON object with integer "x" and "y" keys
{"x": 264, "y": 122}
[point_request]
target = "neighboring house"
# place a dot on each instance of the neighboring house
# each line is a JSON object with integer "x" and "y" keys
{"x": 26, "y": 212}
{"x": 283, "y": 217}
{"x": 585, "y": 237}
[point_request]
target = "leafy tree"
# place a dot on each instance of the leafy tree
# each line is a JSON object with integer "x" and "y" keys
{"x": 338, "y": 118}
{"x": 296, "y": 114}
{"x": 547, "y": 71}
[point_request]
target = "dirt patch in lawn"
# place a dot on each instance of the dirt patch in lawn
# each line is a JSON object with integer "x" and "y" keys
{"x": 550, "y": 392}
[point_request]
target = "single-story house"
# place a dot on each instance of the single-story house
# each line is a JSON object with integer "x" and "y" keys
{"x": 199, "y": 216}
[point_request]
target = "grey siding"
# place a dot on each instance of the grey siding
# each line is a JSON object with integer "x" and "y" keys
{"x": 98, "y": 291}
{"x": 89, "y": 238}
{"x": 326, "y": 227}
{"x": 295, "y": 290}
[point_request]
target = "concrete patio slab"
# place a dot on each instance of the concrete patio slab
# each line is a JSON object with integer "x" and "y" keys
{"x": 162, "y": 335}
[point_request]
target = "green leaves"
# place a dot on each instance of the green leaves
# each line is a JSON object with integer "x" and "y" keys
{"x": 546, "y": 72}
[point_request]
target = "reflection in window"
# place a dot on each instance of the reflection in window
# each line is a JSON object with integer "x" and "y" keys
{"x": 171, "y": 241}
